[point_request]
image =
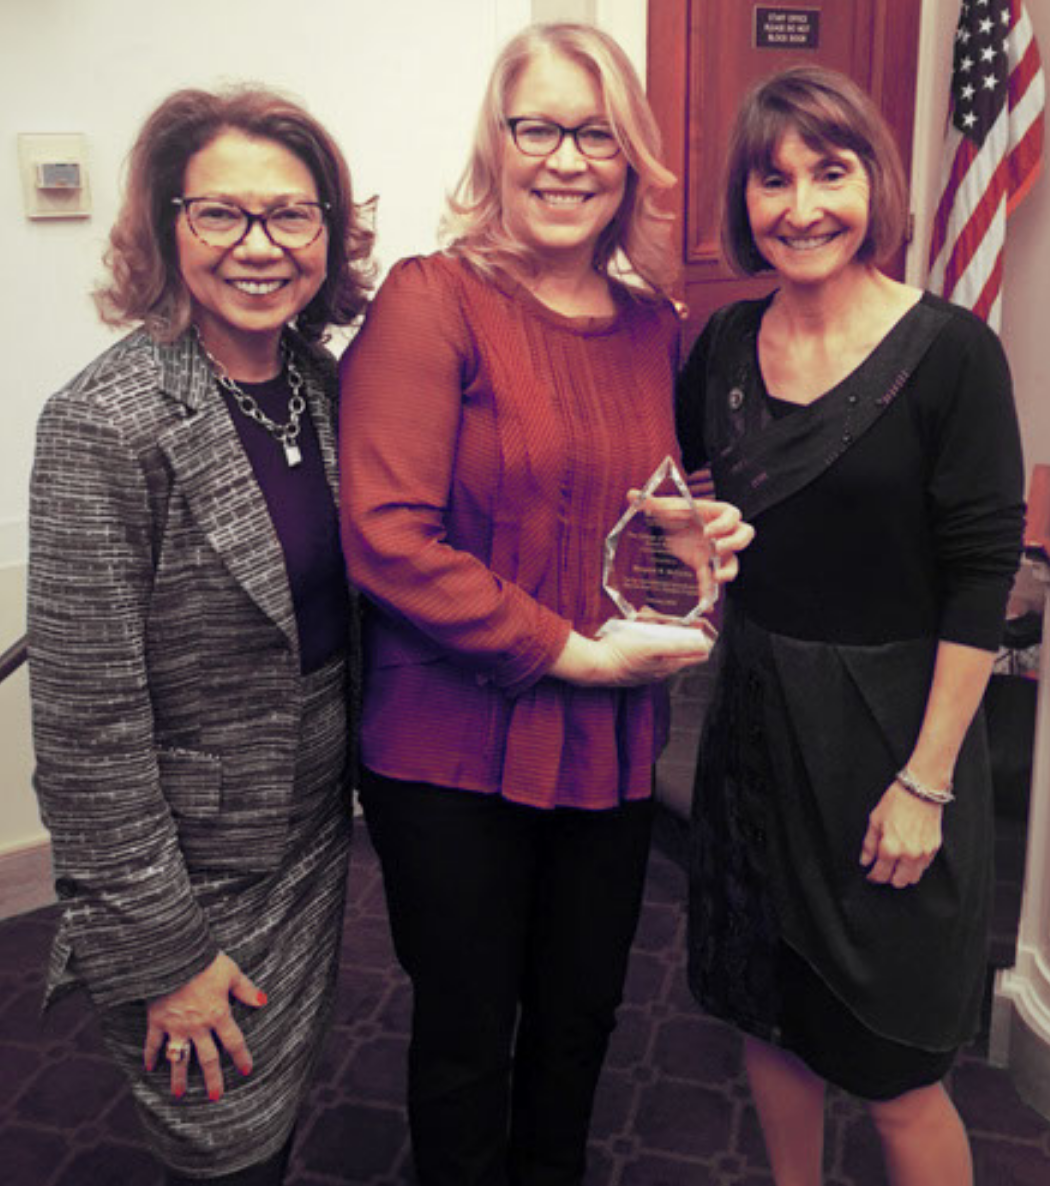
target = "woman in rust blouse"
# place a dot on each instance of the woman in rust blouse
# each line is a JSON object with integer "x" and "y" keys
{"x": 501, "y": 400}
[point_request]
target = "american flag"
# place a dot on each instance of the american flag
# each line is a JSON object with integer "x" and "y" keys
{"x": 991, "y": 154}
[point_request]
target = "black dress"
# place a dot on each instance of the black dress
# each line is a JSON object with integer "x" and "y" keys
{"x": 888, "y": 516}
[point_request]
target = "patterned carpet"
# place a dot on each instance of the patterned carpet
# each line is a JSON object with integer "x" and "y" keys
{"x": 673, "y": 1108}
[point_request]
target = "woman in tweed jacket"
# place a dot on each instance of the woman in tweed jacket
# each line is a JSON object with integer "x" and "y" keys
{"x": 190, "y": 631}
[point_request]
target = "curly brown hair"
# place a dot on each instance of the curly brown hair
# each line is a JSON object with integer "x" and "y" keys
{"x": 145, "y": 284}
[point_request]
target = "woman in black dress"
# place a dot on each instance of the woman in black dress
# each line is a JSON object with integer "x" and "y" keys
{"x": 842, "y": 824}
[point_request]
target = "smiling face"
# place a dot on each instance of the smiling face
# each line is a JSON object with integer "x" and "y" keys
{"x": 809, "y": 211}
{"x": 244, "y": 295}
{"x": 558, "y": 205}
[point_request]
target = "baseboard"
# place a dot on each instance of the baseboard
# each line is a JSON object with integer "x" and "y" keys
{"x": 1020, "y": 1037}
{"x": 25, "y": 879}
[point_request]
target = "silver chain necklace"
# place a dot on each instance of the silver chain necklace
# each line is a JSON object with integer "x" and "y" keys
{"x": 287, "y": 435}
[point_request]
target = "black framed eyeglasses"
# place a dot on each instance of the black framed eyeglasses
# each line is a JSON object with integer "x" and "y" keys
{"x": 219, "y": 223}
{"x": 541, "y": 137}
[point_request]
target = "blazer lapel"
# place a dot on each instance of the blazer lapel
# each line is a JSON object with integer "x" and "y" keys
{"x": 212, "y": 471}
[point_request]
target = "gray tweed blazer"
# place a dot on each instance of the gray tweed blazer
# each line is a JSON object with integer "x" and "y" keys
{"x": 164, "y": 659}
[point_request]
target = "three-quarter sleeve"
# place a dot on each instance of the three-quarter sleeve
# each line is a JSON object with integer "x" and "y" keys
{"x": 404, "y": 382}
{"x": 131, "y": 920}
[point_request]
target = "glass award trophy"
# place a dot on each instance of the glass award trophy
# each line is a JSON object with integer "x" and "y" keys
{"x": 660, "y": 563}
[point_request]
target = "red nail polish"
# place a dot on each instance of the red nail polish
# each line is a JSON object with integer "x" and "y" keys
{"x": 214, "y": 1094}
{"x": 178, "y": 1092}
{"x": 246, "y": 1071}
{"x": 262, "y": 999}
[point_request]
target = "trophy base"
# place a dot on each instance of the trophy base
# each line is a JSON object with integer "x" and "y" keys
{"x": 686, "y": 637}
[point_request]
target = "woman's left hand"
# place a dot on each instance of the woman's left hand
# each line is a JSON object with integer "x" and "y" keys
{"x": 903, "y": 837}
{"x": 722, "y": 522}
{"x": 730, "y": 534}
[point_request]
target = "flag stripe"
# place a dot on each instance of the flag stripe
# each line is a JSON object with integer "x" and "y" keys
{"x": 1027, "y": 156}
{"x": 1028, "y": 68}
{"x": 970, "y": 280}
{"x": 991, "y": 289}
{"x": 962, "y": 157}
{"x": 968, "y": 239}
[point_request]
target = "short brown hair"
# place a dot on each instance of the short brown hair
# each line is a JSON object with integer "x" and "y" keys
{"x": 145, "y": 284}
{"x": 826, "y": 109}
{"x": 640, "y": 232}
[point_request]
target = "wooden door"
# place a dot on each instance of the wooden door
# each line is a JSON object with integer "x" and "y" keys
{"x": 705, "y": 54}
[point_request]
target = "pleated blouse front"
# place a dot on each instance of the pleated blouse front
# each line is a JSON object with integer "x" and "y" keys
{"x": 487, "y": 447}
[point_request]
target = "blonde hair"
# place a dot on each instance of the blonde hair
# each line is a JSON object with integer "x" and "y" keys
{"x": 637, "y": 243}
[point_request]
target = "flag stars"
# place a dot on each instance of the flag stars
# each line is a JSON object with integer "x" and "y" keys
{"x": 979, "y": 85}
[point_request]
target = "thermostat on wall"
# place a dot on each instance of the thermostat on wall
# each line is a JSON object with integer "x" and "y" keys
{"x": 54, "y": 175}
{"x": 58, "y": 175}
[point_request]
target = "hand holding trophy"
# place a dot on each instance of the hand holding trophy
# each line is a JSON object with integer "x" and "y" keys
{"x": 660, "y": 564}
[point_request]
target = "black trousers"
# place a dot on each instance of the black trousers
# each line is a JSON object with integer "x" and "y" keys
{"x": 515, "y": 927}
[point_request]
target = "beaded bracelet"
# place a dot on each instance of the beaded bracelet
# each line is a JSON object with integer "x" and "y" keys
{"x": 931, "y": 794}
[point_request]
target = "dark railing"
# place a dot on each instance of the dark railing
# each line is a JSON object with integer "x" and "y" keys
{"x": 13, "y": 658}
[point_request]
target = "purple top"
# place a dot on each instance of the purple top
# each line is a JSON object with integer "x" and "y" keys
{"x": 303, "y": 511}
{"x": 488, "y": 445}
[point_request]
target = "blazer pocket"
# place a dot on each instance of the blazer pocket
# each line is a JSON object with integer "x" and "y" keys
{"x": 190, "y": 781}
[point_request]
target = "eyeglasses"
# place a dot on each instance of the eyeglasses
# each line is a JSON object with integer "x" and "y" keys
{"x": 541, "y": 137}
{"x": 225, "y": 224}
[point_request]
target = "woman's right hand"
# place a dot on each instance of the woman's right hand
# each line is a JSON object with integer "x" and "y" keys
{"x": 624, "y": 660}
{"x": 199, "y": 1013}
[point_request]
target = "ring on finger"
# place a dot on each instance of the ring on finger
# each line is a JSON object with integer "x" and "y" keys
{"x": 177, "y": 1051}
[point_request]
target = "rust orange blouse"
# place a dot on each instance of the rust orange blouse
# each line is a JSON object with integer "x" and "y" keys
{"x": 487, "y": 444}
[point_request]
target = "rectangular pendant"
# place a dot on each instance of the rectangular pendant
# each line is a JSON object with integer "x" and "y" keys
{"x": 292, "y": 454}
